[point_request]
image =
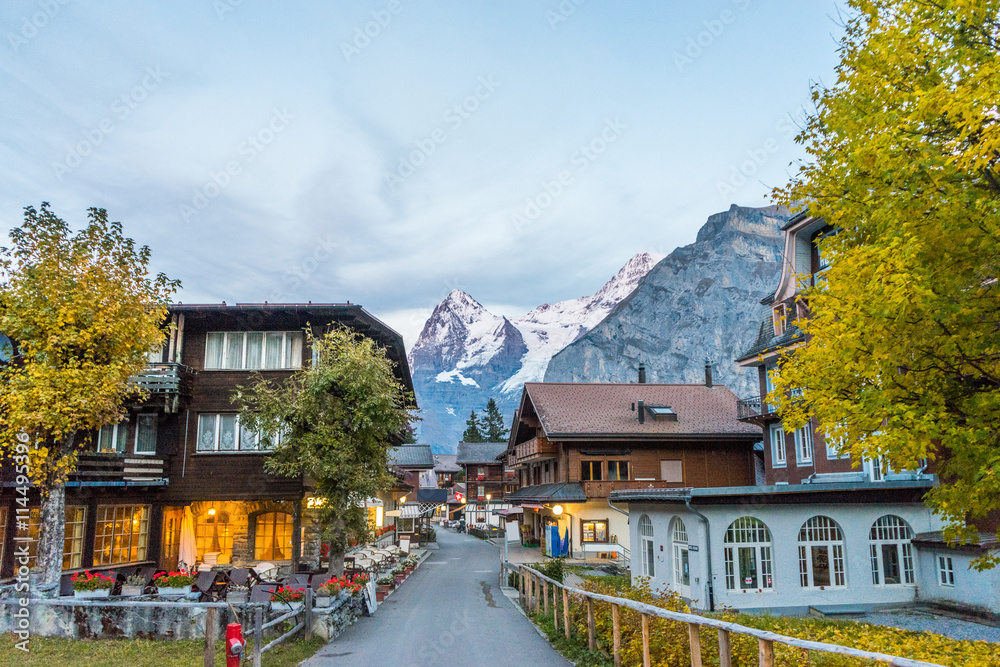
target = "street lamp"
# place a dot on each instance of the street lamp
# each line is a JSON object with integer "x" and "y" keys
{"x": 486, "y": 515}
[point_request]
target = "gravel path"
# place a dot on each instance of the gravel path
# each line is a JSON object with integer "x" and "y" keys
{"x": 948, "y": 626}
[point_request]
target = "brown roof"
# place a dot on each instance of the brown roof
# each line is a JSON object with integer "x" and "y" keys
{"x": 569, "y": 410}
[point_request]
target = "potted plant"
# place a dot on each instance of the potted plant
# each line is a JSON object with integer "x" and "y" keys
{"x": 399, "y": 573}
{"x": 383, "y": 586}
{"x": 174, "y": 583}
{"x": 92, "y": 585}
{"x": 323, "y": 597}
{"x": 237, "y": 594}
{"x": 288, "y": 596}
{"x": 133, "y": 585}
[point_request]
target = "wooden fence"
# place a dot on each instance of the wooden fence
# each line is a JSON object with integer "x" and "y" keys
{"x": 533, "y": 594}
{"x": 211, "y": 619}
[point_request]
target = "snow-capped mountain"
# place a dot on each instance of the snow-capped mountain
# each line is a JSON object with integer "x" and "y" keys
{"x": 466, "y": 355}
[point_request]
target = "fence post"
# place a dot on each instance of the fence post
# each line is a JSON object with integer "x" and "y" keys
{"x": 694, "y": 636}
{"x": 520, "y": 580}
{"x": 258, "y": 634}
{"x": 591, "y": 639}
{"x": 566, "y": 611}
{"x": 555, "y": 607}
{"x": 545, "y": 594}
{"x": 725, "y": 649}
{"x": 645, "y": 640}
{"x": 308, "y": 620}
{"x": 538, "y": 594}
{"x": 616, "y": 628}
{"x": 766, "y": 652}
{"x": 211, "y": 620}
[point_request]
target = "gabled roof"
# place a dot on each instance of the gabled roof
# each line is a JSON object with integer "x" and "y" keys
{"x": 470, "y": 453}
{"x": 768, "y": 342}
{"x": 446, "y": 463}
{"x": 583, "y": 411}
{"x": 412, "y": 457}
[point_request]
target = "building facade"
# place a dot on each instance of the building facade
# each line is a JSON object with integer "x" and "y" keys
{"x": 486, "y": 481}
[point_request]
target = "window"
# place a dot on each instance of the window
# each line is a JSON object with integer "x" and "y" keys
{"x": 769, "y": 372}
{"x": 876, "y": 469}
{"x": 590, "y": 471}
{"x": 617, "y": 470}
{"x": 253, "y": 350}
{"x": 777, "y": 446}
{"x": 682, "y": 569}
{"x": 648, "y": 553}
{"x": 836, "y": 447}
{"x": 76, "y": 522}
{"x": 481, "y": 472}
{"x": 594, "y": 531}
{"x": 778, "y": 317}
{"x": 273, "y": 538}
{"x": 482, "y": 492}
{"x": 224, "y": 433}
{"x": 111, "y": 439}
{"x": 747, "y": 548}
{"x": 821, "y": 553}
{"x": 213, "y": 534}
{"x": 121, "y": 535}
{"x": 804, "y": 444}
{"x": 145, "y": 434}
{"x": 672, "y": 471}
{"x": 946, "y": 572}
{"x": 891, "y": 551}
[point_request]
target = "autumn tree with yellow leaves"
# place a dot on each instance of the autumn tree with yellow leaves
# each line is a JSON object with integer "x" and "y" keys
{"x": 902, "y": 357}
{"x": 83, "y": 311}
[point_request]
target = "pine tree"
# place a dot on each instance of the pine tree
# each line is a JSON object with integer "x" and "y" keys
{"x": 494, "y": 425}
{"x": 474, "y": 429}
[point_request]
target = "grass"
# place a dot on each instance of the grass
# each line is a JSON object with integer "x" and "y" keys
{"x": 575, "y": 650}
{"x": 46, "y": 652}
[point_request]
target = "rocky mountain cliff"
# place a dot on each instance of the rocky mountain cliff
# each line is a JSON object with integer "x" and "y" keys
{"x": 465, "y": 355}
{"x": 700, "y": 303}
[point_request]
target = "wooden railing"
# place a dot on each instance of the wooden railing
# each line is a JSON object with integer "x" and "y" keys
{"x": 162, "y": 378}
{"x": 603, "y": 489}
{"x": 112, "y": 467}
{"x": 533, "y": 594}
{"x": 540, "y": 446}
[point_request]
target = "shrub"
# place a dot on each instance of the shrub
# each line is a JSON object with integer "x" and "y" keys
{"x": 178, "y": 579}
{"x": 87, "y": 581}
{"x": 288, "y": 594}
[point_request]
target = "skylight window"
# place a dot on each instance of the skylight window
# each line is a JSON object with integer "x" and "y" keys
{"x": 662, "y": 412}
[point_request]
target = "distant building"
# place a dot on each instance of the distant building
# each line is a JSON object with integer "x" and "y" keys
{"x": 485, "y": 475}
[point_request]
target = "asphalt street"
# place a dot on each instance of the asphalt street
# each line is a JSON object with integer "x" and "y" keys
{"x": 450, "y": 610}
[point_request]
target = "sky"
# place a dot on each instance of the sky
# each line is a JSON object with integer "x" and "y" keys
{"x": 388, "y": 152}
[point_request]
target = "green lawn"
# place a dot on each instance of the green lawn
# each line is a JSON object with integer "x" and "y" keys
{"x": 138, "y": 653}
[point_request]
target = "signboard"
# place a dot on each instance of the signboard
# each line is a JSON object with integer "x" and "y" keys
{"x": 693, "y": 547}
{"x": 369, "y": 593}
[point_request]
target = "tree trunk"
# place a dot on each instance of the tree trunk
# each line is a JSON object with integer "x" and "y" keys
{"x": 337, "y": 550}
{"x": 52, "y": 529}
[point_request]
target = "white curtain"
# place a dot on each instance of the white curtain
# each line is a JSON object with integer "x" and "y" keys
{"x": 188, "y": 550}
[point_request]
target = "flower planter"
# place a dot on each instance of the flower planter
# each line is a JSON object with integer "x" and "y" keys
{"x": 238, "y": 598}
{"x": 166, "y": 590}
{"x": 400, "y": 578}
{"x": 131, "y": 591}
{"x": 98, "y": 593}
{"x": 381, "y": 592}
{"x": 323, "y": 601}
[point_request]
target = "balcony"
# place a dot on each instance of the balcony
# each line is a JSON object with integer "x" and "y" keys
{"x": 535, "y": 449}
{"x": 164, "y": 381}
{"x": 754, "y": 410}
{"x": 604, "y": 488}
{"x": 110, "y": 469}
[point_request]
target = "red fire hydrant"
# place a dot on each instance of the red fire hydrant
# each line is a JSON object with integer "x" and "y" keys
{"x": 234, "y": 644}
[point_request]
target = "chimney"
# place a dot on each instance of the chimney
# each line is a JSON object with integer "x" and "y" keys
{"x": 642, "y": 412}
{"x": 642, "y": 373}
{"x": 708, "y": 374}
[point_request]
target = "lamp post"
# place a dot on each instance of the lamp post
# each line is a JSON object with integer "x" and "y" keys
{"x": 486, "y": 517}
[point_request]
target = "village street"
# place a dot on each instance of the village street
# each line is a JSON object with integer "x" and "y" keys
{"x": 449, "y": 611}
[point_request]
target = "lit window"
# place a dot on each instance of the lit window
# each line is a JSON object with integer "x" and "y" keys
{"x": 145, "y": 434}
{"x": 594, "y": 531}
{"x": 590, "y": 471}
{"x": 682, "y": 569}
{"x": 777, "y": 446}
{"x": 747, "y": 549}
{"x": 76, "y": 522}
{"x": 273, "y": 538}
{"x": 648, "y": 551}
{"x": 821, "y": 553}
{"x": 617, "y": 470}
{"x": 946, "y": 572}
{"x": 891, "y": 551}
{"x": 121, "y": 535}
{"x": 804, "y": 444}
{"x": 253, "y": 350}
{"x": 213, "y": 534}
{"x": 111, "y": 439}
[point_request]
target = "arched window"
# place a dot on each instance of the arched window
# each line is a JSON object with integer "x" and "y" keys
{"x": 682, "y": 570}
{"x": 273, "y": 536}
{"x": 646, "y": 536}
{"x": 891, "y": 552}
{"x": 821, "y": 553}
{"x": 214, "y": 534}
{"x": 748, "y": 555}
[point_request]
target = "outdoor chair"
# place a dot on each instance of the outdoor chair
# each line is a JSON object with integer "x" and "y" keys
{"x": 66, "y": 585}
{"x": 320, "y": 579}
{"x": 266, "y": 572}
{"x": 239, "y": 576}
{"x": 208, "y": 583}
{"x": 262, "y": 592}
{"x": 299, "y": 579}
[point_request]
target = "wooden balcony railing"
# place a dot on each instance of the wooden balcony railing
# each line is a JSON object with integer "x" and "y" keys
{"x": 165, "y": 381}
{"x": 109, "y": 468}
{"x": 604, "y": 488}
{"x": 536, "y": 448}
{"x": 753, "y": 408}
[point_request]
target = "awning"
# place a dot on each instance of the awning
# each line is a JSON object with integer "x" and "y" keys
{"x": 512, "y": 510}
{"x": 530, "y": 506}
{"x": 411, "y": 512}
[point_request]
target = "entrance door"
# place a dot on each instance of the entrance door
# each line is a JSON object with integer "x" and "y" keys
{"x": 171, "y": 538}
{"x": 682, "y": 570}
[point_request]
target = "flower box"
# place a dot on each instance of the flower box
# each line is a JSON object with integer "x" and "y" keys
{"x": 131, "y": 591}
{"x": 177, "y": 590}
{"x": 238, "y": 597}
{"x": 96, "y": 593}
{"x": 323, "y": 601}
{"x": 400, "y": 578}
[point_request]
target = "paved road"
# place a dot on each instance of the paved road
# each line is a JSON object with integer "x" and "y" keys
{"x": 449, "y": 611}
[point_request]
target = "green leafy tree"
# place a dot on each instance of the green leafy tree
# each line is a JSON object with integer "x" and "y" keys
{"x": 493, "y": 424}
{"x": 473, "y": 429}
{"x": 902, "y": 352}
{"x": 338, "y": 417}
{"x": 83, "y": 312}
